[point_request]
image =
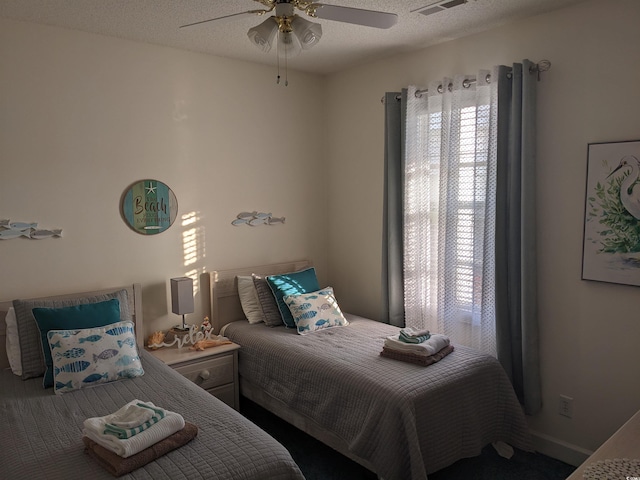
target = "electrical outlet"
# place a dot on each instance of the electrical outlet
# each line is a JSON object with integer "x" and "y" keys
{"x": 565, "y": 407}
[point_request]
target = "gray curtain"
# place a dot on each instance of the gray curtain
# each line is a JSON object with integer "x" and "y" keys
{"x": 516, "y": 277}
{"x": 392, "y": 236}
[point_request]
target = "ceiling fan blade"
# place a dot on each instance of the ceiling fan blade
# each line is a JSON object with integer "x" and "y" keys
{"x": 357, "y": 16}
{"x": 250, "y": 12}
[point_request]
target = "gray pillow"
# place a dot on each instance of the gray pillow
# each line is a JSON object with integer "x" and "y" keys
{"x": 31, "y": 354}
{"x": 272, "y": 317}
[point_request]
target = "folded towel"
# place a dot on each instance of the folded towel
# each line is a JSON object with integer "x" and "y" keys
{"x": 414, "y": 332}
{"x": 119, "y": 466}
{"x": 406, "y": 338}
{"x": 133, "y": 419}
{"x": 131, "y": 415}
{"x": 94, "y": 429}
{"x": 431, "y": 346}
{"x": 417, "y": 359}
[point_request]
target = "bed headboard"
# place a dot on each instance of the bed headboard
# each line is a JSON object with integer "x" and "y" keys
{"x": 225, "y": 302}
{"x": 134, "y": 295}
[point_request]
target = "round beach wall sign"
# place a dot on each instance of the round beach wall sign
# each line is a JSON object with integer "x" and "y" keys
{"x": 149, "y": 207}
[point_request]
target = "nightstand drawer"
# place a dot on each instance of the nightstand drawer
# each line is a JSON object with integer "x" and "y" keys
{"x": 209, "y": 373}
{"x": 226, "y": 393}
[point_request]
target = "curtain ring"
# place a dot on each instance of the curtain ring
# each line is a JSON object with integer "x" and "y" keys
{"x": 488, "y": 78}
{"x": 450, "y": 87}
{"x": 466, "y": 83}
{"x": 440, "y": 89}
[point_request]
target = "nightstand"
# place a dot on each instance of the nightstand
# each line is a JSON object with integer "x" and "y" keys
{"x": 213, "y": 369}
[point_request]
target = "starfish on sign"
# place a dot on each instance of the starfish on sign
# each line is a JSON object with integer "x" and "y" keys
{"x": 151, "y": 188}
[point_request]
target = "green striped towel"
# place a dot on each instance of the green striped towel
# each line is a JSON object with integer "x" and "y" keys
{"x": 128, "y": 432}
{"x": 408, "y": 337}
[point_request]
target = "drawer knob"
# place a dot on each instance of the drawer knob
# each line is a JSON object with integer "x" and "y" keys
{"x": 205, "y": 374}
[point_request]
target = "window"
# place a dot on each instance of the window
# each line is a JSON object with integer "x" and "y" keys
{"x": 448, "y": 175}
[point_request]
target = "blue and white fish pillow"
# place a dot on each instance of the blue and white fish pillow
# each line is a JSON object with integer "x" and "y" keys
{"x": 315, "y": 311}
{"x": 90, "y": 356}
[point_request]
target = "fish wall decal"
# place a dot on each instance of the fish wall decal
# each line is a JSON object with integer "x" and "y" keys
{"x": 8, "y": 234}
{"x": 10, "y": 230}
{"x": 255, "y": 219}
{"x": 40, "y": 234}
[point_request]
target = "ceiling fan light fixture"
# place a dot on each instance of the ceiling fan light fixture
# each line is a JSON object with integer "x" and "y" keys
{"x": 262, "y": 35}
{"x": 288, "y": 44}
{"x": 308, "y": 33}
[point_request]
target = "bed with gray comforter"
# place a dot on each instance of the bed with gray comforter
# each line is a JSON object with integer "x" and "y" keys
{"x": 404, "y": 421}
{"x": 42, "y": 432}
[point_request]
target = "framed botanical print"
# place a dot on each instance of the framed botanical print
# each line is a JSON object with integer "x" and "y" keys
{"x": 611, "y": 243}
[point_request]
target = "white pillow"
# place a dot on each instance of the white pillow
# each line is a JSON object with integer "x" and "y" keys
{"x": 315, "y": 311}
{"x": 90, "y": 356}
{"x": 249, "y": 299}
{"x": 13, "y": 342}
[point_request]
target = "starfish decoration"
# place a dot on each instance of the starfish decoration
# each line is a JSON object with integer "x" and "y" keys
{"x": 151, "y": 188}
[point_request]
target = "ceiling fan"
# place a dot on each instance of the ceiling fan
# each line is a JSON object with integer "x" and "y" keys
{"x": 294, "y": 32}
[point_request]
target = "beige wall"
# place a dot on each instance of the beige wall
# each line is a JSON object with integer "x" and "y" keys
{"x": 589, "y": 331}
{"x": 84, "y": 116}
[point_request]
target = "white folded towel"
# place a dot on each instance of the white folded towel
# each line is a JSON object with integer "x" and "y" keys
{"x": 94, "y": 429}
{"x": 429, "y": 347}
{"x": 131, "y": 416}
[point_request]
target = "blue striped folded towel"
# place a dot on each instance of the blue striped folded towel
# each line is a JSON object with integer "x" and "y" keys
{"x": 133, "y": 419}
{"x": 412, "y": 335}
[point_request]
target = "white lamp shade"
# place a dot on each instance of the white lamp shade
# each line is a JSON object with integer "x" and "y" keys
{"x": 288, "y": 44}
{"x": 262, "y": 35}
{"x": 182, "y": 295}
{"x": 308, "y": 33}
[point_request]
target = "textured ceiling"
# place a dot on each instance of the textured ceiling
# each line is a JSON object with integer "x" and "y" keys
{"x": 342, "y": 45}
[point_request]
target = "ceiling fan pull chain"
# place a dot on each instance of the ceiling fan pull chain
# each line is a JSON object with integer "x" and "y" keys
{"x": 286, "y": 68}
{"x": 278, "y": 63}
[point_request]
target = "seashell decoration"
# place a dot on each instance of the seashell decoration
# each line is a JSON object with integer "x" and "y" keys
{"x": 191, "y": 337}
{"x": 155, "y": 340}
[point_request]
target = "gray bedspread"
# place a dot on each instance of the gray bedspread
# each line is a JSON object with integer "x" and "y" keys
{"x": 406, "y": 420}
{"x": 42, "y": 432}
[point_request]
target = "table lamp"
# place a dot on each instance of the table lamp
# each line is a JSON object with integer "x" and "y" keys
{"x": 182, "y": 299}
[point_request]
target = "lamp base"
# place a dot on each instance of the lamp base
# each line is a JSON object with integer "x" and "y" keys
{"x": 180, "y": 328}
{"x": 178, "y": 332}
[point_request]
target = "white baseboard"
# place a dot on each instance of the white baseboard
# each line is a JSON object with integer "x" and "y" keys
{"x": 558, "y": 449}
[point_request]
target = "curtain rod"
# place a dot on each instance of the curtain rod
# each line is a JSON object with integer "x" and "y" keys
{"x": 541, "y": 66}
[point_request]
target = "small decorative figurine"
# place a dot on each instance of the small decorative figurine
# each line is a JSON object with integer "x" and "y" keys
{"x": 206, "y": 327}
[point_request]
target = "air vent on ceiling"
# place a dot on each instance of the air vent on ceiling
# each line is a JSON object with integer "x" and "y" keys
{"x": 439, "y": 6}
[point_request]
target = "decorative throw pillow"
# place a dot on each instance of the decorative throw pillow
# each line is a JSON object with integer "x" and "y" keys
{"x": 249, "y": 299}
{"x": 65, "y": 318}
{"x": 13, "y": 343}
{"x": 270, "y": 312}
{"x": 292, "y": 284}
{"x": 315, "y": 311}
{"x": 31, "y": 347}
{"x": 90, "y": 356}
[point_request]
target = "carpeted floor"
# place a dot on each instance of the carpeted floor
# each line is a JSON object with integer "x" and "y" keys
{"x": 324, "y": 463}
